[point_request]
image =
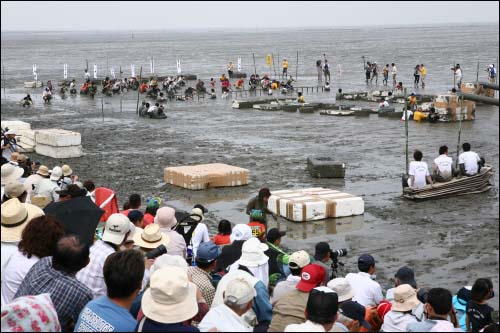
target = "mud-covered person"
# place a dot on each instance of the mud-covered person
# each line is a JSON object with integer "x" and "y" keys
{"x": 260, "y": 203}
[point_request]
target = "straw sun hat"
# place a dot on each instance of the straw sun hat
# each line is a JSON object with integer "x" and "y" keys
{"x": 15, "y": 217}
{"x": 151, "y": 237}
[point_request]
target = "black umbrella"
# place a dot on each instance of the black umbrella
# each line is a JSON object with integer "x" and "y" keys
{"x": 79, "y": 216}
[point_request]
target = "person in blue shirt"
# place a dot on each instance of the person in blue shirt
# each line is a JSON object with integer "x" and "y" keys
{"x": 123, "y": 273}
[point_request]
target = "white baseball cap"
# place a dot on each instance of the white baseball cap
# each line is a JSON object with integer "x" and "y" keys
{"x": 116, "y": 228}
{"x": 299, "y": 259}
{"x": 343, "y": 289}
{"x": 239, "y": 292}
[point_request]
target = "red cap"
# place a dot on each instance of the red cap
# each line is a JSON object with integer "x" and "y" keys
{"x": 312, "y": 275}
{"x": 383, "y": 308}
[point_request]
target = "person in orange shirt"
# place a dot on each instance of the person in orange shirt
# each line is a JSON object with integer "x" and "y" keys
{"x": 222, "y": 238}
{"x": 143, "y": 88}
{"x": 257, "y": 225}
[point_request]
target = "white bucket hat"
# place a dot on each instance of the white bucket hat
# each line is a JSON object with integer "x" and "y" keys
{"x": 343, "y": 289}
{"x": 151, "y": 237}
{"x": 239, "y": 291}
{"x": 10, "y": 173}
{"x": 165, "y": 217}
{"x": 171, "y": 298}
{"x": 15, "y": 217}
{"x": 116, "y": 228}
{"x": 405, "y": 298}
{"x": 56, "y": 173}
{"x": 168, "y": 260}
{"x": 252, "y": 253}
{"x": 240, "y": 232}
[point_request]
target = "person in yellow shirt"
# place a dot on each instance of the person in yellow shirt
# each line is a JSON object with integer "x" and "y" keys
{"x": 300, "y": 98}
{"x": 419, "y": 115}
{"x": 284, "y": 64}
{"x": 423, "y": 73}
{"x": 274, "y": 85}
{"x": 412, "y": 102}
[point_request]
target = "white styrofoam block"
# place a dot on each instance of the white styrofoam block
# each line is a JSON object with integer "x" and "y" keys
{"x": 59, "y": 152}
{"x": 58, "y": 137}
{"x": 16, "y": 124}
{"x": 27, "y": 133}
{"x": 26, "y": 149}
{"x": 24, "y": 140}
{"x": 314, "y": 204}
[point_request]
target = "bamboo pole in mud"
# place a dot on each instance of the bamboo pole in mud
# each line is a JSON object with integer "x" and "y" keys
{"x": 121, "y": 91}
{"x": 459, "y": 129}
{"x": 477, "y": 72}
{"x": 102, "y": 108}
{"x": 297, "y": 68}
{"x": 406, "y": 132}
{"x": 254, "y": 68}
{"x": 454, "y": 76}
{"x": 138, "y": 91}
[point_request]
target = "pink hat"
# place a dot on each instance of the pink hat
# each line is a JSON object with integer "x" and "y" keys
{"x": 165, "y": 217}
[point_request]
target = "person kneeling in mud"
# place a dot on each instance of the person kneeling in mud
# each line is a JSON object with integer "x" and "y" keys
{"x": 188, "y": 93}
{"x": 153, "y": 110}
{"x": 27, "y": 101}
{"x": 47, "y": 95}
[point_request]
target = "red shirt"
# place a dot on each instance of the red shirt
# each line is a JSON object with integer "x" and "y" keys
{"x": 148, "y": 219}
{"x": 221, "y": 239}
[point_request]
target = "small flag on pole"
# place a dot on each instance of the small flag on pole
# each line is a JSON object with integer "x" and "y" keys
{"x": 239, "y": 64}
{"x": 95, "y": 71}
{"x": 132, "y": 70}
{"x": 179, "y": 66}
{"x": 65, "y": 71}
{"x": 35, "y": 76}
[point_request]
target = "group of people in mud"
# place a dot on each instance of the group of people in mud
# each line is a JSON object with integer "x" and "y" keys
{"x": 443, "y": 168}
{"x": 150, "y": 268}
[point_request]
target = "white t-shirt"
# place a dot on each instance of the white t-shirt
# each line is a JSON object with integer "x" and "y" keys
{"x": 394, "y": 70}
{"x": 458, "y": 73}
{"x": 225, "y": 319}
{"x": 444, "y": 164}
{"x": 200, "y": 235}
{"x": 308, "y": 326}
{"x": 368, "y": 292}
{"x": 469, "y": 159}
{"x": 14, "y": 273}
{"x": 385, "y": 104}
{"x": 419, "y": 170}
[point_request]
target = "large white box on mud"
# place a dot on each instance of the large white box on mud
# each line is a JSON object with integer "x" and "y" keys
{"x": 312, "y": 204}
{"x": 202, "y": 176}
{"x": 26, "y": 137}
{"x": 58, "y": 137}
{"x": 16, "y": 124}
{"x": 58, "y": 152}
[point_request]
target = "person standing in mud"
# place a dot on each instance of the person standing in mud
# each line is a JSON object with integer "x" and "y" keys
{"x": 260, "y": 203}
{"x": 386, "y": 74}
{"x": 326, "y": 71}
{"x": 394, "y": 72}
{"x": 319, "y": 68}
{"x": 368, "y": 72}
{"x": 416, "y": 75}
{"x": 423, "y": 73}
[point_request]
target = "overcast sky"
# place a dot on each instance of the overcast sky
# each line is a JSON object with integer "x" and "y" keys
{"x": 195, "y": 15}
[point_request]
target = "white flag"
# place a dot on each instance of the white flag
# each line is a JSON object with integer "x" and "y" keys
{"x": 35, "y": 76}
{"x": 239, "y": 64}
{"x": 95, "y": 71}
{"x": 179, "y": 66}
{"x": 132, "y": 70}
{"x": 65, "y": 71}
{"x": 152, "y": 65}
{"x": 112, "y": 70}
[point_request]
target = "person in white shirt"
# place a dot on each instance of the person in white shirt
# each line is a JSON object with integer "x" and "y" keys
{"x": 297, "y": 261}
{"x": 228, "y": 317}
{"x": 321, "y": 312}
{"x": 368, "y": 291}
{"x": 443, "y": 170}
{"x": 394, "y": 72}
{"x": 419, "y": 172}
{"x": 153, "y": 109}
{"x": 384, "y": 104}
{"x": 200, "y": 233}
{"x": 87, "y": 75}
{"x": 458, "y": 75}
{"x": 469, "y": 161}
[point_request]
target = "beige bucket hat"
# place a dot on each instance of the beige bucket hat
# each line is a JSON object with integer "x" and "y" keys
{"x": 15, "y": 217}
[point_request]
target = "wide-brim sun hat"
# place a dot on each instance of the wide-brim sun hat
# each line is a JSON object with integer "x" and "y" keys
{"x": 66, "y": 170}
{"x": 405, "y": 298}
{"x": 165, "y": 217}
{"x": 15, "y": 217}
{"x": 343, "y": 289}
{"x": 151, "y": 237}
{"x": 252, "y": 253}
{"x": 171, "y": 298}
{"x": 43, "y": 171}
{"x": 10, "y": 173}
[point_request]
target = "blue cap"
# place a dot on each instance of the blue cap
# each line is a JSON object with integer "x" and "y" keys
{"x": 207, "y": 252}
{"x": 366, "y": 260}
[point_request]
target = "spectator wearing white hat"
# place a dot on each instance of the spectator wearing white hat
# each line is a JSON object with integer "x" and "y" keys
{"x": 15, "y": 189}
{"x": 170, "y": 300}
{"x": 10, "y": 173}
{"x": 165, "y": 218}
{"x": 47, "y": 187}
{"x": 232, "y": 252}
{"x": 200, "y": 233}
{"x": 115, "y": 233}
{"x": 32, "y": 181}
{"x": 298, "y": 260}
{"x": 68, "y": 177}
{"x": 254, "y": 259}
{"x": 9, "y": 144}
{"x": 227, "y": 317}
{"x": 15, "y": 217}
{"x": 343, "y": 289}
{"x": 405, "y": 299}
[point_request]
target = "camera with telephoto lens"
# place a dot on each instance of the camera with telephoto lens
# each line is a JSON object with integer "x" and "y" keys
{"x": 156, "y": 252}
{"x": 334, "y": 254}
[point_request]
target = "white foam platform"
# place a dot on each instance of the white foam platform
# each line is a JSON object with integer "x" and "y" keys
{"x": 58, "y": 137}
{"x": 58, "y": 152}
{"x": 16, "y": 124}
{"x": 202, "y": 176}
{"x": 312, "y": 204}
{"x": 26, "y": 137}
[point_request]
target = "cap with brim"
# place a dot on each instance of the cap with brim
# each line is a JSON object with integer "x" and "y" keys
{"x": 343, "y": 289}
{"x": 43, "y": 171}
{"x": 14, "y": 190}
{"x": 274, "y": 234}
{"x": 405, "y": 298}
{"x": 171, "y": 297}
{"x": 252, "y": 253}
{"x": 11, "y": 132}
{"x": 355, "y": 311}
{"x": 56, "y": 173}
{"x": 151, "y": 237}
{"x": 15, "y": 217}
{"x": 310, "y": 277}
{"x": 11, "y": 173}
{"x": 66, "y": 170}
{"x": 299, "y": 259}
{"x": 116, "y": 228}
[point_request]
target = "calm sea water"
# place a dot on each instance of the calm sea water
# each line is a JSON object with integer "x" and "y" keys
{"x": 206, "y": 54}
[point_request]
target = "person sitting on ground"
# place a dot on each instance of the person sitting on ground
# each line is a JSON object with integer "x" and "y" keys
{"x": 228, "y": 317}
{"x": 443, "y": 169}
{"x": 134, "y": 201}
{"x": 205, "y": 260}
{"x": 297, "y": 261}
{"x": 321, "y": 312}
{"x": 399, "y": 86}
{"x": 405, "y": 299}
{"x": 200, "y": 87}
{"x": 48, "y": 187}
{"x": 123, "y": 273}
{"x": 254, "y": 259}
{"x": 322, "y": 257}
{"x": 224, "y": 232}
{"x": 300, "y": 98}
{"x": 275, "y": 85}
{"x": 153, "y": 109}
{"x": 200, "y": 233}
{"x": 419, "y": 172}
{"x": 384, "y": 103}
{"x": 212, "y": 94}
{"x": 369, "y": 291}
{"x": 278, "y": 259}
{"x": 327, "y": 86}
{"x": 291, "y": 308}
{"x": 460, "y": 301}
{"x": 47, "y": 95}
{"x": 351, "y": 318}
{"x": 478, "y": 311}
{"x": 152, "y": 205}
{"x": 438, "y": 307}
{"x": 27, "y": 101}
{"x": 56, "y": 275}
{"x": 257, "y": 225}
{"x": 419, "y": 115}
{"x": 15, "y": 189}
{"x": 165, "y": 218}
{"x": 143, "y": 108}
{"x": 136, "y": 217}
{"x": 232, "y": 252}
{"x": 188, "y": 93}
{"x": 469, "y": 162}
{"x": 92, "y": 89}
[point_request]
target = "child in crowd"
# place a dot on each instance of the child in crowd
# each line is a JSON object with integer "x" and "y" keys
{"x": 224, "y": 229}
{"x": 478, "y": 311}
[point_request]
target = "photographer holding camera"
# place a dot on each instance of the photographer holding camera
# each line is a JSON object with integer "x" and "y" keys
{"x": 328, "y": 258}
